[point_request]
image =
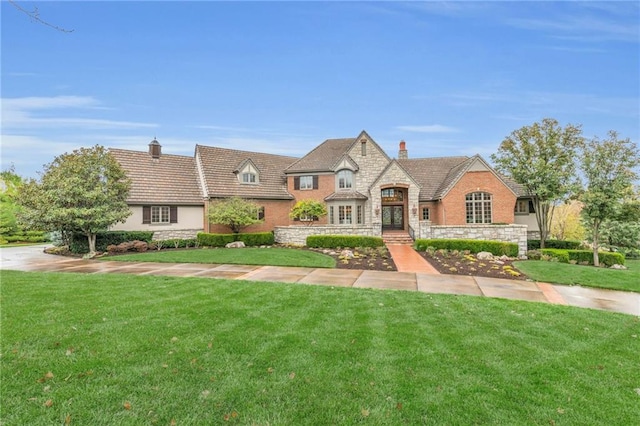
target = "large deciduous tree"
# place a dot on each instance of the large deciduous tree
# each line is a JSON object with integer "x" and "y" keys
{"x": 608, "y": 167}
{"x": 235, "y": 213}
{"x": 542, "y": 158}
{"x": 84, "y": 192}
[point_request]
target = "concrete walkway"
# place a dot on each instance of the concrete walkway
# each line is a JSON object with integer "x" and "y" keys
{"x": 33, "y": 259}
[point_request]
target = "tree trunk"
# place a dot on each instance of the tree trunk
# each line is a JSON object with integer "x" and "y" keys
{"x": 596, "y": 259}
{"x": 92, "y": 242}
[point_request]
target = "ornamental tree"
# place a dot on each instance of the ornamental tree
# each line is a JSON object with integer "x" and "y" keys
{"x": 85, "y": 192}
{"x": 542, "y": 158}
{"x": 608, "y": 167}
{"x": 307, "y": 211}
{"x": 235, "y": 213}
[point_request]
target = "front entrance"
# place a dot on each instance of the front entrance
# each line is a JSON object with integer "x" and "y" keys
{"x": 392, "y": 217}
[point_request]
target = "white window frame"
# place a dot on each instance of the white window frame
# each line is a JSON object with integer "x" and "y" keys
{"x": 519, "y": 207}
{"x": 306, "y": 182}
{"x": 160, "y": 215}
{"x": 345, "y": 179}
{"x": 479, "y": 207}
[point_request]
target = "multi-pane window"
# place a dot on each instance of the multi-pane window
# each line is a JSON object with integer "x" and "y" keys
{"x": 478, "y": 207}
{"x": 345, "y": 179}
{"x": 248, "y": 177}
{"x": 344, "y": 215}
{"x": 425, "y": 213}
{"x": 331, "y": 215}
{"x": 522, "y": 207}
{"x": 359, "y": 217}
{"x": 159, "y": 214}
{"x": 306, "y": 182}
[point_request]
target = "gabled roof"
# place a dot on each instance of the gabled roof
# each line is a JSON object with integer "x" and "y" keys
{"x": 433, "y": 173}
{"x": 170, "y": 179}
{"x": 220, "y": 166}
{"x": 345, "y": 195}
{"x": 322, "y": 158}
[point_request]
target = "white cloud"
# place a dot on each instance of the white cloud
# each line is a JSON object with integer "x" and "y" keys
{"x": 20, "y": 113}
{"x": 430, "y": 128}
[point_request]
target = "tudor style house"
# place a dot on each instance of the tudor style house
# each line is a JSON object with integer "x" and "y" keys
{"x": 366, "y": 192}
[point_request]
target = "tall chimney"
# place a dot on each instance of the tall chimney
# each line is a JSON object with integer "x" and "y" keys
{"x": 402, "y": 154}
{"x": 155, "y": 149}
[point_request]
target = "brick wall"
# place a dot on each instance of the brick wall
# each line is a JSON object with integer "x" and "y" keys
{"x": 326, "y": 187}
{"x": 276, "y": 213}
{"x": 453, "y": 205}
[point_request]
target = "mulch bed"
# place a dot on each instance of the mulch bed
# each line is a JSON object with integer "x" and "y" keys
{"x": 368, "y": 259}
{"x": 458, "y": 263}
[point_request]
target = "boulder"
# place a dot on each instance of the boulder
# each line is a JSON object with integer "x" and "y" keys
{"x": 484, "y": 255}
{"x": 616, "y": 266}
{"x": 235, "y": 244}
{"x": 347, "y": 254}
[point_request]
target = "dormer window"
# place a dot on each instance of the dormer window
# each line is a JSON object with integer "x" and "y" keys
{"x": 345, "y": 179}
{"x": 248, "y": 173}
{"x": 248, "y": 177}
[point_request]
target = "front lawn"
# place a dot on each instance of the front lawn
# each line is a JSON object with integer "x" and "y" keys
{"x": 588, "y": 276}
{"x": 129, "y": 350}
{"x": 273, "y": 256}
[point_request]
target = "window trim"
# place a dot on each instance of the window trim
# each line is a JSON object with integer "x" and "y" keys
{"x": 148, "y": 214}
{"x": 345, "y": 179}
{"x": 479, "y": 207}
{"x": 428, "y": 214}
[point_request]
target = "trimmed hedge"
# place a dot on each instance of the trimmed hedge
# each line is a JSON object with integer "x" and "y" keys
{"x": 585, "y": 256}
{"x": 335, "y": 241}
{"x": 497, "y": 248}
{"x": 80, "y": 244}
{"x": 554, "y": 244}
{"x": 221, "y": 240}
{"x": 27, "y": 237}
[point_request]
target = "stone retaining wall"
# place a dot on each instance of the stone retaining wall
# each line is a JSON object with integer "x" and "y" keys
{"x": 509, "y": 233}
{"x": 297, "y": 235}
{"x": 171, "y": 234}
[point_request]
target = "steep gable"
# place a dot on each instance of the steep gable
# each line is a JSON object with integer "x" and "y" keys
{"x": 431, "y": 174}
{"x": 169, "y": 179}
{"x": 323, "y": 158}
{"x": 220, "y": 168}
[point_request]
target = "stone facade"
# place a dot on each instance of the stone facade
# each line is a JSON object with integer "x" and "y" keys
{"x": 508, "y": 233}
{"x": 297, "y": 235}
{"x": 170, "y": 234}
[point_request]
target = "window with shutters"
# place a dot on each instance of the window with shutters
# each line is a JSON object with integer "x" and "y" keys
{"x": 305, "y": 182}
{"x": 159, "y": 215}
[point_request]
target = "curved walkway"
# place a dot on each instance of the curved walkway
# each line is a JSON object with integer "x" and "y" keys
{"x": 32, "y": 258}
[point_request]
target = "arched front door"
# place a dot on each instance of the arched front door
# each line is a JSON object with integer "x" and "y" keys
{"x": 393, "y": 208}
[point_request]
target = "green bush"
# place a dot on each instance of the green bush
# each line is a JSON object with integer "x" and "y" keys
{"x": 80, "y": 244}
{"x": 584, "y": 256}
{"x": 497, "y": 248}
{"x": 335, "y": 241}
{"x": 221, "y": 240}
{"x": 41, "y": 238}
{"x": 179, "y": 243}
{"x": 560, "y": 255}
{"x": 554, "y": 244}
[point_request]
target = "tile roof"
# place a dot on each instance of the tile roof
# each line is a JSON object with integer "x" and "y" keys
{"x": 219, "y": 164}
{"x": 171, "y": 179}
{"x": 322, "y": 158}
{"x": 345, "y": 195}
{"x": 433, "y": 174}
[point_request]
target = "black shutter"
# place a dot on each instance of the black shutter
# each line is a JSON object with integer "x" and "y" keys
{"x": 296, "y": 182}
{"x": 531, "y": 208}
{"x": 315, "y": 182}
{"x": 173, "y": 214}
{"x": 146, "y": 214}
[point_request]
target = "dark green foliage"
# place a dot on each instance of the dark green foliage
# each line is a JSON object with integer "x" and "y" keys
{"x": 220, "y": 240}
{"x": 335, "y": 241}
{"x": 554, "y": 244}
{"x": 79, "y": 243}
{"x": 584, "y": 256}
{"x": 497, "y": 248}
{"x": 27, "y": 237}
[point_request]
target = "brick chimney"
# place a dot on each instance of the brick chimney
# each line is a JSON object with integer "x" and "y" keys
{"x": 155, "y": 149}
{"x": 402, "y": 154}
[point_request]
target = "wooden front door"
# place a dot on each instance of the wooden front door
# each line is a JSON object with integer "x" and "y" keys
{"x": 392, "y": 217}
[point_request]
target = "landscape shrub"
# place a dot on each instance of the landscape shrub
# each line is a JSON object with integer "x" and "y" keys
{"x": 26, "y": 237}
{"x": 584, "y": 256}
{"x": 554, "y": 244}
{"x": 79, "y": 243}
{"x": 342, "y": 241}
{"x": 249, "y": 239}
{"x": 497, "y": 248}
{"x": 176, "y": 243}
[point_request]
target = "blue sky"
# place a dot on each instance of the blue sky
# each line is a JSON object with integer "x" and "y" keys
{"x": 449, "y": 78}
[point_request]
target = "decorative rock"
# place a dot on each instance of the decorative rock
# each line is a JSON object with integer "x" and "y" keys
{"x": 347, "y": 254}
{"x": 235, "y": 244}
{"x": 484, "y": 255}
{"x": 616, "y": 266}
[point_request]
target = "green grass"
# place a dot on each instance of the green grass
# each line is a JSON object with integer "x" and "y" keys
{"x": 144, "y": 350}
{"x": 588, "y": 276}
{"x": 245, "y": 256}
